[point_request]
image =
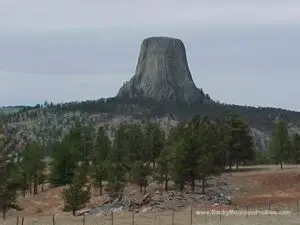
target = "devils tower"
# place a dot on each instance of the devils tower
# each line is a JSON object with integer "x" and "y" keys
{"x": 162, "y": 73}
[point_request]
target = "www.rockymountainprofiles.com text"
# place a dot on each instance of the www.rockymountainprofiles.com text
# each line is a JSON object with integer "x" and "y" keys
{"x": 243, "y": 212}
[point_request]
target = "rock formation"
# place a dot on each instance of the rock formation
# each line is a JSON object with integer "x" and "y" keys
{"x": 162, "y": 73}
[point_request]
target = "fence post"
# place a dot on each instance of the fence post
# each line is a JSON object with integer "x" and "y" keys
{"x": 133, "y": 218}
{"x": 247, "y": 210}
{"x": 53, "y": 219}
{"x": 220, "y": 212}
{"x": 173, "y": 217}
{"x": 155, "y": 216}
{"x": 112, "y": 218}
{"x": 191, "y": 214}
{"x": 83, "y": 219}
{"x": 22, "y": 223}
{"x": 17, "y": 221}
{"x": 206, "y": 213}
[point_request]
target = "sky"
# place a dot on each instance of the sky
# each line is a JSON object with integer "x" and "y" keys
{"x": 239, "y": 51}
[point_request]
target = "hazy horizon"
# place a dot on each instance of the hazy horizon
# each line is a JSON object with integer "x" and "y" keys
{"x": 239, "y": 52}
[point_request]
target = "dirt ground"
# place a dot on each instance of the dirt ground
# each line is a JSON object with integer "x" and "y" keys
{"x": 264, "y": 185}
{"x": 257, "y": 187}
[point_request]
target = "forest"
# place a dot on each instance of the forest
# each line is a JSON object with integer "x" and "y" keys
{"x": 86, "y": 159}
{"x": 259, "y": 117}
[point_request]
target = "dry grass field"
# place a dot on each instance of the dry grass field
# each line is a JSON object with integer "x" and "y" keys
{"x": 260, "y": 185}
{"x": 257, "y": 187}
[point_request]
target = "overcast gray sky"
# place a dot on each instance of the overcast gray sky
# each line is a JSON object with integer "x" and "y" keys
{"x": 241, "y": 52}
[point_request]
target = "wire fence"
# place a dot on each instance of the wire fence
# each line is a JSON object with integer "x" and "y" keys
{"x": 265, "y": 213}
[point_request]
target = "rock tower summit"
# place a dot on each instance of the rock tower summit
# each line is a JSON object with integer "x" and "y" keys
{"x": 162, "y": 73}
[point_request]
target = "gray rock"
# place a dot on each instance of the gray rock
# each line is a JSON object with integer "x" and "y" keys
{"x": 82, "y": 211}
{"x": 162, "y": 73}
{"x": 103, "y": 209}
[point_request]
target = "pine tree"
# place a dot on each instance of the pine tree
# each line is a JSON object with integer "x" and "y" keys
{"x": 296, "y": 148}
{"x": 32, "y": 165}
{"x": 280, "y": 145}
{"x": 77, "y": 194}
{"x": 117, "y": 165}
{"x": 163, "y": 168}
{"x": 155, "y": 141}
{"x": 86, "y": 143}
{"x": 116, "y": 180}
{"x": 196, "y": 151}
{"x": 192, "y": 150}
{"x": 140, "y": 173}
{"x": 238, "y": 141}
{"x": 178, "y": 146}
{"x": 9, "y": 179}
{"x": 66, "y": 156}
{"x": 210, "y": 157}
{"x": 134, "y": 145}
{"x": 42, "y": 177}
{"x": 101, "y": 151}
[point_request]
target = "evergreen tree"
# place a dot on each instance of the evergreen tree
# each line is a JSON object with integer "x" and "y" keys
{"x": 8, "y": 190}
{"x": 32, "y": 165}
{"x": 238, "y": 141}
{"x": 117, "y": 165}
{"x": 163, "y": 168}
{"x": 296, "y": 148}
{"x": 192, "y": 151}
{"x": 211, "y": 152}
{"x": 140, "y": 173}
{"x": 41, "y": 175}
{"x": 196, "y": 151}
{"x": 223, "y": 142}
{"x": 77, "y": 194}
{"x": 178, "y": 155}
{"x": 9, "y": 179}
{"x": 280, "y": 145}
{"x": 66, "y": 156}
{"x": 134, "y": 145}
{"x": 155, "y": 140}
{"x": 136, "y": 155}
{"x": 86, "y": 143}
{"x": 101, "y": 151}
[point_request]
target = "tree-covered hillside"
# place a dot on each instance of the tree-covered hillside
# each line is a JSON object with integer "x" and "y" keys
{"x": 258, "y": 117}
{"x": 49, "y": 122}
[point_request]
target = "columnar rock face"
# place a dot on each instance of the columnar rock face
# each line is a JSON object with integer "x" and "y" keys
{"x": 162, "y": 73}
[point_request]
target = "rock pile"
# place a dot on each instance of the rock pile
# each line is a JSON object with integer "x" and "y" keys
{"x": 218, "y": 192}
{"x": 172, "y": 200}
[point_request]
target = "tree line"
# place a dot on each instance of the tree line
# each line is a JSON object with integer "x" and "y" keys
{"x": 86, "y": 158}
{"x": 259, "y": 117}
